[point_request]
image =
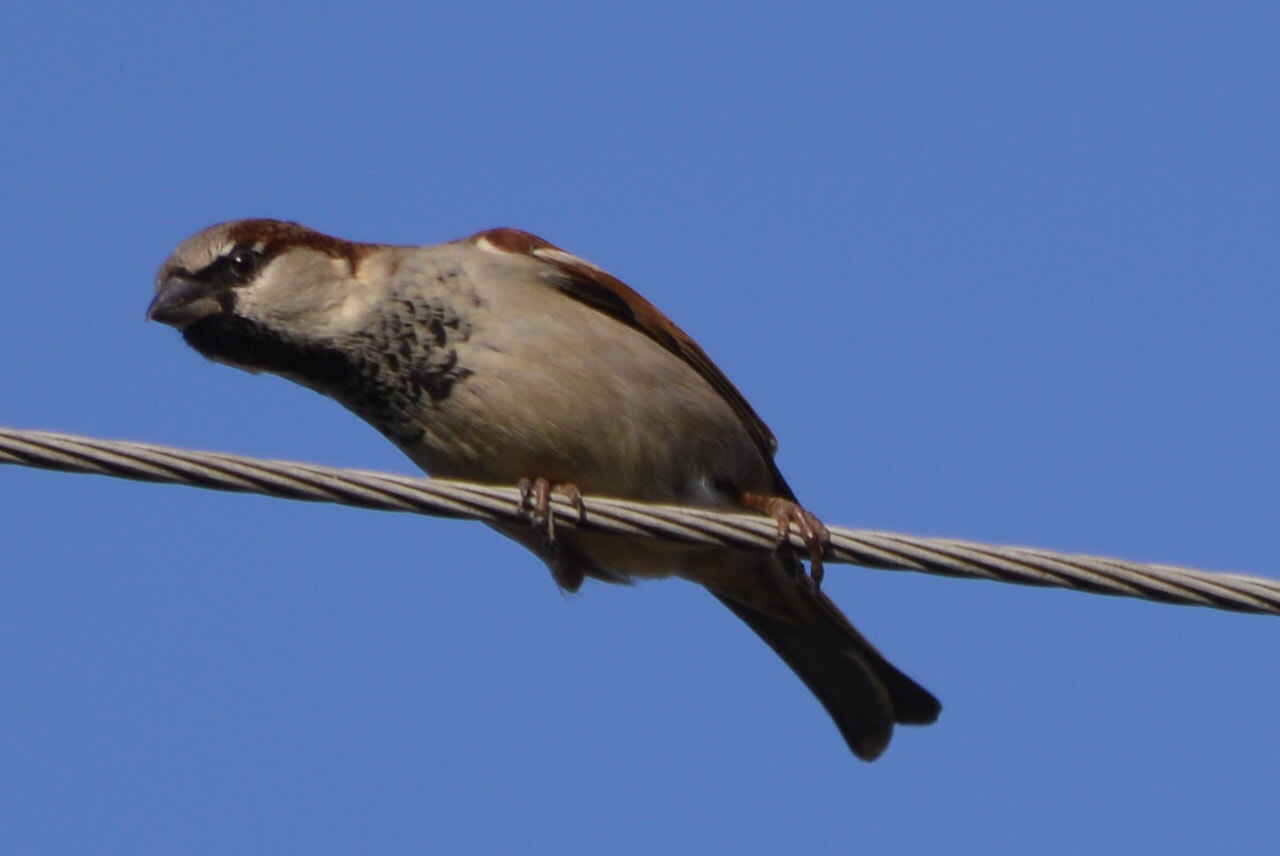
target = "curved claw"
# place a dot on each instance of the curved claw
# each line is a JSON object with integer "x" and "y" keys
{"x": 787, "y": 513}
{"x": 535, "y": 495}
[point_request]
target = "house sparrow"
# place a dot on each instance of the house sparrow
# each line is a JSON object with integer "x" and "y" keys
{"x": 500, "y": 358}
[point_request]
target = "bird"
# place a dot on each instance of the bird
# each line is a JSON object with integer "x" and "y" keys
{"x": 503, "y": 359}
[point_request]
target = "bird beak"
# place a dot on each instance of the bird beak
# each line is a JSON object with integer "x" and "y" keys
{"x": 181, "y": 302}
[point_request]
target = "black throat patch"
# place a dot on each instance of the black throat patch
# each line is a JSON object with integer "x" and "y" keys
{"x": 388, "y": 373}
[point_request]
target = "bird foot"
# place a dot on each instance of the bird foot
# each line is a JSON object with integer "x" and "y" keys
{"x": 535, "y": 497}
{"x": 787, "y": 513}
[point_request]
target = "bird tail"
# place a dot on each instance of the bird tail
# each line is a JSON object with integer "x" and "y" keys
{"x": 862, "y": 691}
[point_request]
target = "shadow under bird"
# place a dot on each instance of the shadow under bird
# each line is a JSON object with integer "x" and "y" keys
{"x": 500, "y": 358}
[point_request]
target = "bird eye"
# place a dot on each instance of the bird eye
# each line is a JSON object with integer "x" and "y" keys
{"x": 244, "y": 263}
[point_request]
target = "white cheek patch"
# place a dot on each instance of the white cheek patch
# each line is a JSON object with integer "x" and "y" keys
{"x": 247, "y": 300}
{"x": 306, "y": 294}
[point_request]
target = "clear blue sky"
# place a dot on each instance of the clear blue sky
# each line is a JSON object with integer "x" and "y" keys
{"x": 990, "y": 271}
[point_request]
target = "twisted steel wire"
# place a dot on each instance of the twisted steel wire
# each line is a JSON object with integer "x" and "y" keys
{"x": 448, "y": 498}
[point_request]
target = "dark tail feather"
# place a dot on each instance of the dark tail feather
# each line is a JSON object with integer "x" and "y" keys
{"x": 864, "y": 693}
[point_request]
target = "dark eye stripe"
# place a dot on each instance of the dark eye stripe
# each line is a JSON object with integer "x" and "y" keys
{"x": 237, "y": 267}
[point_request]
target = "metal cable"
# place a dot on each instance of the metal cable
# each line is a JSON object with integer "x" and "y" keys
{"x": 444, "y": 498}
